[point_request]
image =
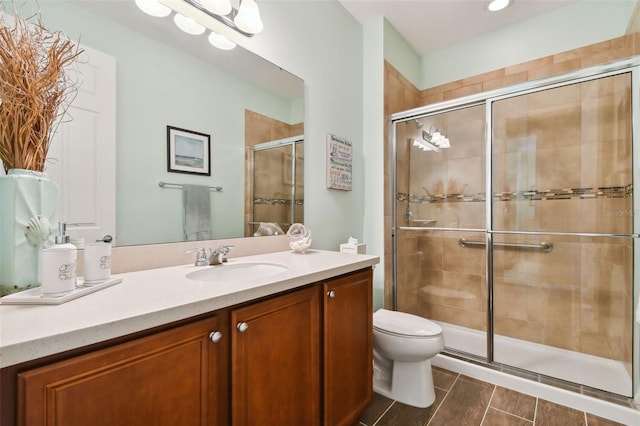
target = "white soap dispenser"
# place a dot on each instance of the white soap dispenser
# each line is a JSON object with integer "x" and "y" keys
{"x": 58, "y": 266}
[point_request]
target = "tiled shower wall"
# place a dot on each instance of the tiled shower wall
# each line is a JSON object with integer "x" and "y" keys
{"x": 585, "y": 303}
{"x": 563, "y": 164}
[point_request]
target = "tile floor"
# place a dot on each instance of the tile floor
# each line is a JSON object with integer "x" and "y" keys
{"x": 464, "y": 401}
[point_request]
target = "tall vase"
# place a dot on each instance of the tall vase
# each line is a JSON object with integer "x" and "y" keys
{"x": 28, "y": 218}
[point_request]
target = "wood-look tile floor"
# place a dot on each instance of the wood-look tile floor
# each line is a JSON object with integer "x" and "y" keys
{"x": 464, "y": 401}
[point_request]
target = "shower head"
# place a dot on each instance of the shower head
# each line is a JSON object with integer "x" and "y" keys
{"x": 419, "y": 125}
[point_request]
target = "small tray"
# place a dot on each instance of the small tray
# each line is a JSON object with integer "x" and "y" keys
{"x": 34, "y": 296}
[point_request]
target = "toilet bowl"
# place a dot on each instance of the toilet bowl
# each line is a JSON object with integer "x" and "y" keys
{"x": 403, "y": 345}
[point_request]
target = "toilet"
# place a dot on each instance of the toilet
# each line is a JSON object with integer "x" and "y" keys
{"x": 403, "y": 345}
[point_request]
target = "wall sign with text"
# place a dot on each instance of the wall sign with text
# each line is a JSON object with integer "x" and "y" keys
{"x": 339, "y": 163}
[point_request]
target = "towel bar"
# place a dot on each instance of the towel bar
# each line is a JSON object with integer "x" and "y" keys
{"x": 179, "y": 185}
{"x": 543, "y": 246}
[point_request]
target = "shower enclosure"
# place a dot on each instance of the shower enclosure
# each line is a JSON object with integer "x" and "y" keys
{"x": 519, "y": 236}
{"x": 277, "y": 183}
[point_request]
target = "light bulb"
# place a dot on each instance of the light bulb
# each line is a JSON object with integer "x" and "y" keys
{"x": 153, "y": 8}
{"x": 497, "y": 5}
{"x": 436, "y": 138}
{"x": 219, "y": 7}
{"x": 221, "y": 42}
{"x": 248, "y": 17}
{"x": 188, "y": 25}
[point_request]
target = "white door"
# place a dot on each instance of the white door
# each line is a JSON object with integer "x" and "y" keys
{"x": 82, "y": 156}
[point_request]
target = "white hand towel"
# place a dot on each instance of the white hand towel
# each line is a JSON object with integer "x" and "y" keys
{"x": 197, "y": 212}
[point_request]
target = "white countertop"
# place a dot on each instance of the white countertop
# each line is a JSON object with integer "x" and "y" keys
{"x": 154, "y": 297}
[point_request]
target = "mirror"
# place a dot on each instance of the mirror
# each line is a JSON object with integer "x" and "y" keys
{"x": 167, "y": 78}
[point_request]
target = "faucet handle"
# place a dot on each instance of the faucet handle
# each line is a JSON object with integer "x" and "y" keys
{"x": 201, "y": 258}
{"x": 224, "y": 250}
{"x": 218, "y": 255}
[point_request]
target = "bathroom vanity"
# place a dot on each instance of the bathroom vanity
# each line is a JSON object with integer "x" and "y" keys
{"x": 291, "y": 348}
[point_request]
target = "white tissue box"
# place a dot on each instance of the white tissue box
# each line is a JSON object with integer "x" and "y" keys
{"x": 353, "y": 248}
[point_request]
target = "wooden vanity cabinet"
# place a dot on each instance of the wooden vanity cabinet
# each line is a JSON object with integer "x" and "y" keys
{"x": 298, "y": 358}
{"x": 169, "y": 378}
{"x": 348, "y": 347}
{"x": 275, "y": 351}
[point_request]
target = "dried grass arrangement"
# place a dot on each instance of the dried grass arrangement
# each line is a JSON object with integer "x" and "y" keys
{"x": 35, "y": 90}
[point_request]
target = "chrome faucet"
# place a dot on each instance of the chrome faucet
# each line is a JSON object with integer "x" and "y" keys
{"x": 201, "y": 256}
{"x": 217, "y": 256}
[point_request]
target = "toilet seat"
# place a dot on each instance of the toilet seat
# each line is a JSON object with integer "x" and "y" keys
{"x": 404, "y": 324}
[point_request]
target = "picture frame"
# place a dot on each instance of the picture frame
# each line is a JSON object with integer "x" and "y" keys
{"x": 188, "y": 151}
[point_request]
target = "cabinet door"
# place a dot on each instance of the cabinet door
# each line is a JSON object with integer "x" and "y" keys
{"x": 275, "y": 361}
{"x": 169, "y": 378}
{"x": 348, "y": 347}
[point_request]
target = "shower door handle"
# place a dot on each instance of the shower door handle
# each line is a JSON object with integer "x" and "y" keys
{"x": 543, "y": 246}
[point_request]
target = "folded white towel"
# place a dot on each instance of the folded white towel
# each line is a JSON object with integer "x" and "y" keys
{"x": 197, "y": 212}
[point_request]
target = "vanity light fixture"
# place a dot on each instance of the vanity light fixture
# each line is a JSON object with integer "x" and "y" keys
{"x": 243, "y": 16}
{"x": 219, "y": 7}
{"x": 248, "y": 17}
{"x": 424, "y": 146}
{"x": 187, "y": 24}
{"x": 153, "y": 8}
{"x": 434, "y": 137}
{"x": 497, "y": 5}
{"x": 432, "y": 140}
{"x": 220, "y": 41}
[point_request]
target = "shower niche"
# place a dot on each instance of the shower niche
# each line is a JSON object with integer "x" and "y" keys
{"x": 518, "y": 238}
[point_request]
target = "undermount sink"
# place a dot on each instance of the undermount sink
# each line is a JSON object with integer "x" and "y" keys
{"x": 237, "y": 271}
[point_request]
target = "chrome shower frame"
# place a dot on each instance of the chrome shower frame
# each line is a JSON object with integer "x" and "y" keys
{"x": 628, "y": 65}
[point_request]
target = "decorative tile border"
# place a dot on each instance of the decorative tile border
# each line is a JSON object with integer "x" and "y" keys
{"x": 533, "y": 195}
{"x": 452, "y": 198}
{"x": 276, "y": 201}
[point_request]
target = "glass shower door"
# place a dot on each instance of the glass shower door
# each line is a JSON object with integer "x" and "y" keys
{"x": 278, "y": 183}
{"x": 440, "y": 201}
{"x": 562, "y": 225}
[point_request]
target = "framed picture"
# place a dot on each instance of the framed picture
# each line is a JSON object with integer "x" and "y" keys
{"x": 188, "y": 152}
